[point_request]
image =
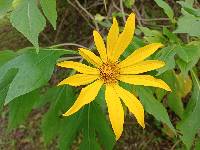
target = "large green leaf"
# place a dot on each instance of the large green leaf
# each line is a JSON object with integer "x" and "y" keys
{"x": 20, "y": 108}
{"x": 167, "y": 9}
{"x": 34, "y": 70}
{"x": 154, "y": 107}
{"x": 190, "y": 124}
{"x": 49, "y": 9}
{"x": 28, "y": 19}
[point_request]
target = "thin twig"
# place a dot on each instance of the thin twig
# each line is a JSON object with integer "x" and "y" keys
{"x": 60, "y": 26}
{"x": 89, "y": 14}
{"x": 81, "y": 14}
{"x": 138, "y": 15}
{"x": 68, "y": 44}
{"x": 68, "y": 58}
{"x": 46, "y": 37}
{"x": 122, "y": 10}
{"x": 115, "y": 6}
{"x": 174, "y": 146}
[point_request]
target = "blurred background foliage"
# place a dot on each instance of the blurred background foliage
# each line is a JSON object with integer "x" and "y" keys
{"x": 32, "y": 119}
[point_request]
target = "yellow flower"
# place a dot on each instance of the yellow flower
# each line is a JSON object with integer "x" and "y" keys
{"x": 108, "y": 71}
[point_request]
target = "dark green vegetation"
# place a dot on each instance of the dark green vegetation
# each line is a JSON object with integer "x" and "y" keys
{"x": 32, "y": 120}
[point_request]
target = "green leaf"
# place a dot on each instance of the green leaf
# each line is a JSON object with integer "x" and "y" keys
{"x": 188, "y": 24}
{"x": 152, "y": 36}
{"x": 174, "y": 100}
{"x": 34, "y": 70}
{"x": 188, "y": 6}
{"x": 52, "y": 120}
{"x": 4, "y": 86}
{"x": 167, "y": 9}
{"x": 49, "y": 9}
{"x": 188, "y": 52}
{"x": 129, "y": 3}
{"x": 171, "y": 36}
{"x": 186, "y": 67}
{"x": 28, "y": 19}
{"x": 85, "y": 120}
{"x": 6, "y": 56}
{"x": 154, "y": 107}
{"x": 20, "y": 108}
{"x": 167, "y": 55}
{"x": 103, "y": 130}
{"x": 5, "y": 5}
{"x": 190, "y": 124}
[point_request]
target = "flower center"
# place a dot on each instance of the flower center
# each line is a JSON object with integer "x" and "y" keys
{"x": 109, "y": 72}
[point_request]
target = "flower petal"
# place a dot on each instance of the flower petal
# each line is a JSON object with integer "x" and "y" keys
{"x": 145, "y": 80}
{"x": 140, "y": 54}
{"x": 87, "y": 95}
{"x": 78, "y": 67}
{"x": 125, "y": 37}
{"x": 142, "y": 67}
{"x": 79, "y": 79}
{"x": 100, "y": 46}
{"x": 112, "y": 38}
{"x": 90, "y": 57}
{"x": 115, "y": 110}
{"x": 132, "y": 103}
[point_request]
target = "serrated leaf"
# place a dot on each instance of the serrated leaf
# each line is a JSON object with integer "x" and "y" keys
{"x": 34, "y": 70}
{"x": 154, "y": 107}
{"x": 190, "y": 124}
{"x": 20, "y": 108}
{"x": 49, "y": 9}
{"x": 167, "y": 9}
{"x": 28, "y": 19}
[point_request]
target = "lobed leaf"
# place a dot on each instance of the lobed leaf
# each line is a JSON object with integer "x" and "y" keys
{"x": 34, "y": 70}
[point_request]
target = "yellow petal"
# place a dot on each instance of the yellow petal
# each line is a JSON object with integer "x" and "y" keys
{"x": 140, "y": 54}
{"x": 87, "y": 95}
{"x": 125, "y": 37}
{"x": 115, "y": 110}
{"x": 142, "y": 67}
{"x": 78, "y": 67}
{"x": 90, "y": 57}
{"x": 145, "y": 80}
{"x": 112, "y": 38}
{"x": 132, "y": 103}
{"x": 100, "y": 46}
{"x": 79, "y": 79}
